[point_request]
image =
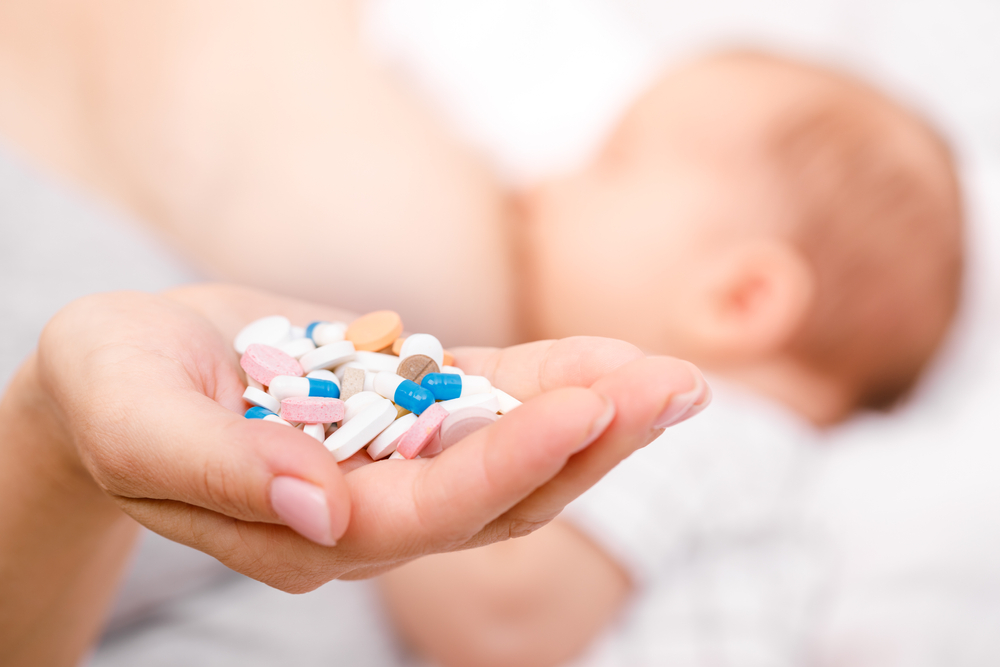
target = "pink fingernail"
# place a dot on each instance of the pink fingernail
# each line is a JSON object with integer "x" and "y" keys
{"x": 600, "y": 424}
{"x": 302, "y": 507}
{"x": 686, "y": 405}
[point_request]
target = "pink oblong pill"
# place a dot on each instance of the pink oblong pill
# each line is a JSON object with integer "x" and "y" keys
{"x": 464, "y": 422}
{"x": 312, "y": 409}
{"x": 263, "y": 363}
{"x": 421, "y": 432}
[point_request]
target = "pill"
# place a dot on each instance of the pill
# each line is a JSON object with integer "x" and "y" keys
{"x": 352, "y": 382}
{"x": 297, "y": 332}
{"x": 464, "y": 422}
{"x": 422, "y": 431}
{"x": 446, "y": 386}
{"x": 324, "y": 375}
{"x": 312, "y": 409}
{"x": 454, "y": 370}
{"x": 374, "y": 331}
{"x": 424, "y": 344}
{"x": 376, "y": 361}
{"x": 324, "y": 333}
{"x": 416, "y": 367}
{"x": 385, "y": 443}
{"x": 272, "y": 330}
{"x": 257, "y": 412}
{"x": 297, "y": 348}
{"x": 286, "y": 386}
{"x": 403, "y": 392}
{"x": 448, "y": 358}
{"x": 262, "y": 399}
{"x": 358, "y": 432}
{"x": 263, "y": 363}
{"x": 328, "y": 356}
{"x": 317, "y": 431}
{"x": 396, "y": 455}
{"x": 488, "y": 401}
{"x": 505, "y": 401}
{"x": 354, "y": 405}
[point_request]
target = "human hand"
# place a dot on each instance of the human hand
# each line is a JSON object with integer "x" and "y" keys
{"x": 150, "y": 393}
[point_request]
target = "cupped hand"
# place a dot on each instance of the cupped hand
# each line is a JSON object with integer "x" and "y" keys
{"x": 149, "y": 393}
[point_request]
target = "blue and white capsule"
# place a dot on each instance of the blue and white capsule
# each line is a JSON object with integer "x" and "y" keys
{"x": 257, "y": 412}
{"x": 287, "y": 386}
{"x": 404, "y": 393}
{"x": 446, "y": 386}
{"x": 324, "y": 333}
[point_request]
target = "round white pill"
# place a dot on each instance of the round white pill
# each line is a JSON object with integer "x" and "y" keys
{"x": 385, "y": 443}
{"x": 261, "y": 399}
{"x": 298, "y": 347}
{"x": 327, "y": 356}
{"x": 355, "y": 434}
{"x": 424, "y": 344}
{"x": 273, "y": 331}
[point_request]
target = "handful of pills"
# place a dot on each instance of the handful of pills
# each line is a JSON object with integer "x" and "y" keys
{"x": 364, "y": 385}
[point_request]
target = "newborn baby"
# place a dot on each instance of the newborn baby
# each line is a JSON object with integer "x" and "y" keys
{"x": 791, "y": 231}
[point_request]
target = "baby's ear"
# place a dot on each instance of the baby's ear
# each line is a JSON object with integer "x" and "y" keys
{"x": 758, "y": 295}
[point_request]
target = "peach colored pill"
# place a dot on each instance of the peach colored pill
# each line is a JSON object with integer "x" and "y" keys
{"x": 312, "y": 409}
{"x": 464, "y": 422}
{"x": 375, "y": 331}
{"x": 422, "y": 431}
{"x": 449, "y": 358}
{"x": 263, "y": 363}
{"x": 397, "y": 345}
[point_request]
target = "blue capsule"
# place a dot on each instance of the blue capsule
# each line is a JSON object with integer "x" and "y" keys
{"x": 413, "y": 397}
{"x": 443, "y": 386}
{"x": 257, "y": 412}
{"x": 323, "y": 388}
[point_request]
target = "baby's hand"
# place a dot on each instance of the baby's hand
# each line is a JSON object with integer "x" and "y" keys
{"x": 149, "y": 390}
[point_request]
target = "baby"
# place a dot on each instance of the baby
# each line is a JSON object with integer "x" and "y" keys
{"x": 794, "y": 233}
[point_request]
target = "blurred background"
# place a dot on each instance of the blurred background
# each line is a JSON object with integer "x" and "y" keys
{"x": 208, "y": 129}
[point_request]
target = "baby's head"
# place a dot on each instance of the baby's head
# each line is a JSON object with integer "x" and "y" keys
{"x": 774, "y": 222}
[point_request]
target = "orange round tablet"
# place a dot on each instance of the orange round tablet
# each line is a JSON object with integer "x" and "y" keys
{"x": 375, "y": 331}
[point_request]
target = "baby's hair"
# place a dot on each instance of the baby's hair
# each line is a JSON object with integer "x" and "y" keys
{"x": 879, "y": 219}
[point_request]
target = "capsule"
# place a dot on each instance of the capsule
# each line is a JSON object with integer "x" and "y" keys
{"x": 286, "y": 386}
{"x": 257, "y": 412}
{"x": 403, "y": 392}
{"x": 324, "y": 333}
{"x": 446, "y": 386}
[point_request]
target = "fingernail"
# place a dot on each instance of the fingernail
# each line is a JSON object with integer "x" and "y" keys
{"x": 600, "y": 424}
{"x": 686, "y": 405}
{"x": 302, "y": 507}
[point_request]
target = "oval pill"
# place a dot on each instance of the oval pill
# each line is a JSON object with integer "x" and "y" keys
{"x": 285, "y": 386}
{"x": 328, "y": 356}
{"x": 347, "y": 440}
{"x": 462, "y": 423}
{"x": 297, "y": 348}
{"x": 317, "y": 431}
{"x": 447, "y": 386}
{"x": 263, "y": 363}
{"x": 324, "y": 333}
{"x": 422, "y": 431}
{"x": 403, "y": 392}
{"x": 385, "y": 443}
{"x": 356, "y": 404}
{"x": 261, "y": 399}
{"x": 424, "y": 344}
{"x": 312, "y": 410}
{"x": 374, "y": 331}
{"x": 272, "y": 330}
{"x": 377, "y": 361}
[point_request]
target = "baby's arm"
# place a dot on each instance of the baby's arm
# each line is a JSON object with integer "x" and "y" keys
{"x": 538, "y": 600}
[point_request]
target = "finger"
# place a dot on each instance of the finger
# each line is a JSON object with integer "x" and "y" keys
{"x": 191, "y": 449}
{"x": 527, "y": 370}
{"x": 647, "y": 394}
{"x": 430, "y": 505}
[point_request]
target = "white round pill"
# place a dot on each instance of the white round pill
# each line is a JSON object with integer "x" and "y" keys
{"x": 297, "y": 348}
{"x": 385, "y": 443}
{"x": 273, "y": 331}
{"x": 355, "y": 434}
{"x": 424, "y": 344}
{"x": 327, "y": 356}
{"x": 261, "y": 399}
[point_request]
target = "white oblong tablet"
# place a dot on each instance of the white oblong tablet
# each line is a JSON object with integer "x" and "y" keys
{"x": 273, "y": 331}
{"x": 385, "y": 443}
{"x": 287, "y": 386}
{"x": 475, "y": 384}
{"x": 297, "y": 348}
{"x": 376, "y": 362}
{"x": 355, "y": 434}
{"x": 317, "y": 431}
{"x": 505, "y": 400}
{"x": 261, "y": 399}
{"x": 424, "y": 344}
{"x": 452, "y": 369}
{"x": 357, "y": 403}
{"x": 488, "y": 401}
{"x": 330, "y": 376}
{"x": 328, "y": 356}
